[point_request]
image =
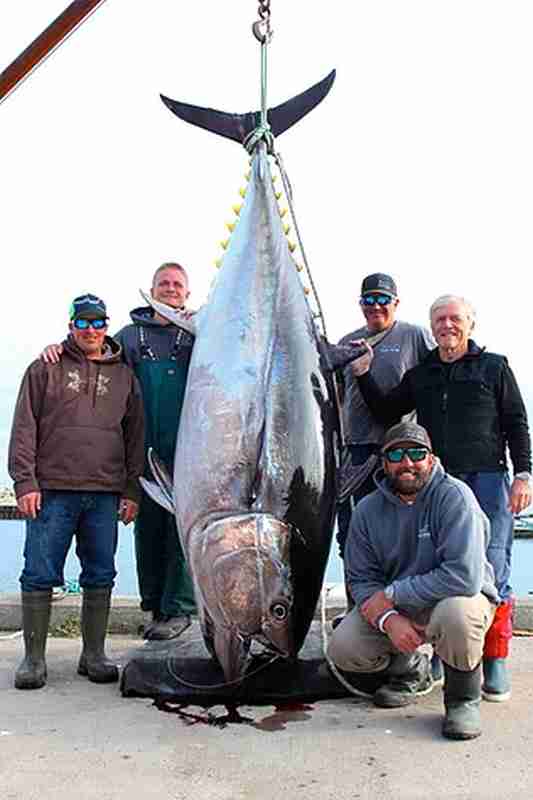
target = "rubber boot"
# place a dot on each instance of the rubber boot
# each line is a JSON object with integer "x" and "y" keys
{"x": 147, "y": 629}
{"x": 496, "y": 682}
{"x": 36, "y": 607}
{"x": 94, "y": 616}
{"x": 408, "y": 677}
{"x": 168, "y": 628}
{"x": 437, "y": 670}
{"x": 462, "y": 700}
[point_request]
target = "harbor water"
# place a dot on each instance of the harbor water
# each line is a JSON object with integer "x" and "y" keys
{"x": 12, "y": 543}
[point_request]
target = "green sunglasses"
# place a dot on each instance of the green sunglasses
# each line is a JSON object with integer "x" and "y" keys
{"x": 413, "y": 453}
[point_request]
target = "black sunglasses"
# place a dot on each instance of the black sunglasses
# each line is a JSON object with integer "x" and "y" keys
{"x": 413, "y": 453}
{"x": 373, "y": 299}
{"x": 96, "y": 324}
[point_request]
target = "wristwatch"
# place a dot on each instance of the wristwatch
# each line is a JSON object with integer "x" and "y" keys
{"x": 523, "y": 476}
{"x": 388, "y": 591}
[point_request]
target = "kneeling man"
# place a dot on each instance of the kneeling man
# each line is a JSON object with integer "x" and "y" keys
{"x": 416, "y": 567}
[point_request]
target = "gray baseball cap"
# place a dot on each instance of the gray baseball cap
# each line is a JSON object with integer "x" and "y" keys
{"x": 406, "y": 433}
{"x": 379, "y": 282}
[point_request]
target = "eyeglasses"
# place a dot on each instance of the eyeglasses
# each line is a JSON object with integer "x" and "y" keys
{"x": 372, "y": 299}
{"x": 413, "y": 453}
{"x": 96, "y": 324}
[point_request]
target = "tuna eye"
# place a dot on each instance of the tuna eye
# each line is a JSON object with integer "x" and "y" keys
{"x": 279, "y": 611}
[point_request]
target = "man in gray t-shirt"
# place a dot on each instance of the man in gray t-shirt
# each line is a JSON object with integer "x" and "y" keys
{"x": 397, "y": 347}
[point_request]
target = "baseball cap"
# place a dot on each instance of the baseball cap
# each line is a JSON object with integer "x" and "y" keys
{"x": 409, "y": 432}
{"x": 379, "y": 282}
{"x": 87, "y": 305}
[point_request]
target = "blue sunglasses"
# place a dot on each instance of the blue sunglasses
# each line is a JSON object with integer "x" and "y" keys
{"x": 373, "y": 299}
{"x": 95, "y": 324}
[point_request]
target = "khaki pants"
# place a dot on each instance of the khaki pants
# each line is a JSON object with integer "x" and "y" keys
{"x": 456, "y": 628}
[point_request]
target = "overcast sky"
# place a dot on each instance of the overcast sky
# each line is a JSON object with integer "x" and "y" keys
{"x": 419, "y": 163}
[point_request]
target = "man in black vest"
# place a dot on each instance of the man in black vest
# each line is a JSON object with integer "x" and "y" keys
{"x": 469, "y": 402}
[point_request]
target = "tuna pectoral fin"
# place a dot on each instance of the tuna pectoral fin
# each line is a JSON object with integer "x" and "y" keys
{"x": 182, "y": 319}
{"x": 161, "y": 491}
{"x": 341, "y": 355}
{"x": 153, "y": 491}
{"x": 232, "y": 653}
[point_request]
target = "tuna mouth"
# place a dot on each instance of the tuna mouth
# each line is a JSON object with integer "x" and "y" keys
{"x": 279, "y": 640}
{"x": 267, "y": 643}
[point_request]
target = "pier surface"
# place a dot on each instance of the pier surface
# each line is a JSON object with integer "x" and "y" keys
{"x": 84, "y": 739}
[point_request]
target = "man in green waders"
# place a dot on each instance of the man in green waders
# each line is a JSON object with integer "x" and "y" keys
{"x": 159, "y": 353}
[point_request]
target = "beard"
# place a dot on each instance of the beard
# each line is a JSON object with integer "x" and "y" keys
{"x": 408, "y": 482}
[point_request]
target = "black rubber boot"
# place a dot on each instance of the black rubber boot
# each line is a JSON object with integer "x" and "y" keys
{"x": 94, "y": 616}
{"x": 462, "y": 699}
{"x": 147, "y": 629}
{"x": 408, "y": 677}
{"x": 168, "y": 628}
{"x": 36, "y": 606}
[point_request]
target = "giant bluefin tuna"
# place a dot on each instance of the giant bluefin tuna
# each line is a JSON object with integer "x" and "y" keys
{"x": 254, "y": 477}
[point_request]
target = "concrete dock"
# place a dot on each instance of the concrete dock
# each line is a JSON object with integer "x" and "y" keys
{"x": 83, "y": 739}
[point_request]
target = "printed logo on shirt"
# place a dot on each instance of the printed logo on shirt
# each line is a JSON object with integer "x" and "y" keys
{"x": 389, "y": 348}
{"x": 102, "y": 385}
{"x": 76, "y": 383}
{"x": 424, "y": 532}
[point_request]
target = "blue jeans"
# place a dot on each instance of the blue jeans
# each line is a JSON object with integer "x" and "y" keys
{"x": 92, "y": 518}
{"x": 359, "y": 453}
{"x": 492, "y": 492}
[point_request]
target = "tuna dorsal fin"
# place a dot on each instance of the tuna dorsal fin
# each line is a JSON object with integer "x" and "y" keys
{"x": 161, "y": 491}
{"x": 238, "y": 126}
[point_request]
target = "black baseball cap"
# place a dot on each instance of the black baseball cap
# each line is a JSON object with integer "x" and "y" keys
{"x": 87, "y": 305}
{"x": 379, "y": 282}
{"x": 406, "y": 433}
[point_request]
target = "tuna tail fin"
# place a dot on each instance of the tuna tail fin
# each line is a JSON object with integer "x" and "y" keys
{"x": 239, "y": 126}
{"x": 161, "y": 492}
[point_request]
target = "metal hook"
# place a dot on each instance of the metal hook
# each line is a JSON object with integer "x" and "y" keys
{"x": 263, "y": 38}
